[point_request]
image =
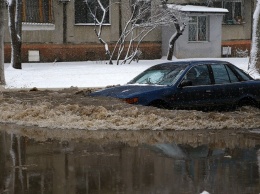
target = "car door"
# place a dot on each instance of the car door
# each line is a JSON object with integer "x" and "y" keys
{"x": 199, "y": 93}
{"x": 226, "y": 87}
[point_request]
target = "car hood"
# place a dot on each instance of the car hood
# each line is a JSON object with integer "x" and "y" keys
{"x": 127, "y": 91}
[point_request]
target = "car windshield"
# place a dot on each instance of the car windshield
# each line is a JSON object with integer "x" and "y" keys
{"x": 160, "y": 76}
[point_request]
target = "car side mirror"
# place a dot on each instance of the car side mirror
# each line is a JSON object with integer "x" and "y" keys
{"x": 185, "y": 83}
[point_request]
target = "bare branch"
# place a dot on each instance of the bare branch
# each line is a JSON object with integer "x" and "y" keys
{"x": 142, "y": 18}
{"x": 99, "y": 24}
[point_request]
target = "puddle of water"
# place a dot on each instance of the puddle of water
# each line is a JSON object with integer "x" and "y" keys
{"x": 37, "y": 160}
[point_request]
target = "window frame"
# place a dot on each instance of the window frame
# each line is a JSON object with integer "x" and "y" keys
{"x": 86, "y": 23}
{"x": 195, "y": 68}
{"x": 41, "y": 14}
{"x": 218, "y": 74}
{"x": 197, "y": 27}
{"x": 234, "y": 21}
{"x": 240, "y": 75}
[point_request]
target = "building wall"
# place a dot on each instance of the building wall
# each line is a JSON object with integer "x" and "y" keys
{"x": 186, "y": 49}
{"x": 240, "y": 31}
{"x": 238, "y": 37}
{"x": 42, "y": 33}
{"x": 81, "y": 41}
{"x": 78, "y": 52}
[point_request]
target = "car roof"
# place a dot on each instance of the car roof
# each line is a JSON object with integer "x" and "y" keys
{"x": 194, "y": 62}
{"x": 189, "y": 63}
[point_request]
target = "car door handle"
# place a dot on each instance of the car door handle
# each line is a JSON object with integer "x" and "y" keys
{"x": 208, "y": 91}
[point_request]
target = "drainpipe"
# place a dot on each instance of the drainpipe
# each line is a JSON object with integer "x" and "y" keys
{"x": 65, "y": 22}
{"x": 64, "y": 2}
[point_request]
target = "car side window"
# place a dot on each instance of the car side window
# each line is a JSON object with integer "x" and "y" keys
{"x": 232, "y": 76}
{"x": 220, "y": 74}
{"x": 198, "y": 75}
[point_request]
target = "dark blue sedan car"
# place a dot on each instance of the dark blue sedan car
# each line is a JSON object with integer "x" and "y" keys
{"x": 189, "y": 84}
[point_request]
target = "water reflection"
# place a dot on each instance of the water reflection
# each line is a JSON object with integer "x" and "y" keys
{"x": 217, "y": 162}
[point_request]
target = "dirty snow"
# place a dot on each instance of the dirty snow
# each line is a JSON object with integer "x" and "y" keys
{"x": 74, "y": 116}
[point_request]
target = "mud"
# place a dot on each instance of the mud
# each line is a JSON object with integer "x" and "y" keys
{"x": 71, "y": 109}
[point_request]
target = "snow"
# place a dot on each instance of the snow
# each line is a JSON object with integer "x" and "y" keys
{"x": 193, "y": 8}
{"x": 86, "y": 74}
{"x": 205, "y": 192}
{"x": 254, "y": 48}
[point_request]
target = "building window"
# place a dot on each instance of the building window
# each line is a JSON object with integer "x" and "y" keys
{"x": 198, "y": 28}
{"x": 83, "y": 11}
{"x": 234, "y": 16}
{"x": 141, "y": 10}
{"x": 37, "y": 11}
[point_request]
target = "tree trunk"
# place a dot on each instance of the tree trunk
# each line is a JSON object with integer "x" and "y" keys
{"x": 254, "y": 62}
{"x": 175, "y": 36}
{"x": 171, "y": 45}
{"x": 15, "y": 28}
{"x": 2, "y": 75}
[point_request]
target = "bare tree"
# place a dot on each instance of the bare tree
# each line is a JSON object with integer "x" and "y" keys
{"x": 2, "y": 75}
{"x": 99, "y": 26}
{"x": 179, "y": 30}
{"x": 179, "y": 24}
{"x": 141, "y": 20}
{"x": 254, "y": 61}
{"x": 15, "y": 28}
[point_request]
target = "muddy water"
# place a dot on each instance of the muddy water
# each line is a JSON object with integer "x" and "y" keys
{"x": 72, "y": 110}
{"x": 59, "y": 161}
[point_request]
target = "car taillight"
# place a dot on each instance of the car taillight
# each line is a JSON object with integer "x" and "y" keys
{"x": 131, "y": 100}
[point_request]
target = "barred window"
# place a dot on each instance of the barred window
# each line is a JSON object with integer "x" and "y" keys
{"x": 198, "y": 28}
{"x": 235, "y": 10}
{"x": 37, "y": 11}
{"x": 83, "y": 11}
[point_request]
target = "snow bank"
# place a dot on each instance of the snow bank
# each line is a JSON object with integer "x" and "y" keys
{"x": 86, "y": 74}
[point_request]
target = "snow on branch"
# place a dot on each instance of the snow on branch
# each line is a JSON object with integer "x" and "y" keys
{"x": 143, "y": 17}
{"x": 99, "y": 23}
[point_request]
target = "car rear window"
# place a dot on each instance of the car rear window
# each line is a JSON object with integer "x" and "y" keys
{"x": 242, "y": 74}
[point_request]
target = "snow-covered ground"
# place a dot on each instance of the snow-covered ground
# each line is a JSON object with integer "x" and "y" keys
{"x": 85, "y": 74}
